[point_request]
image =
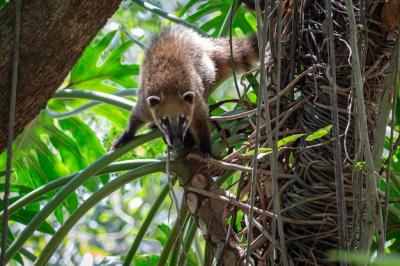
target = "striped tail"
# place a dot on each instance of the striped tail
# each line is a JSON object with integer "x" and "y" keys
{"x": 245, "y": 55}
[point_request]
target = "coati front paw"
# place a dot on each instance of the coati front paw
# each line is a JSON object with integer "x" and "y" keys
{"x": 205, "y": 155}
{"x": 123, "y": 139}
{"x": 205, "y": 150}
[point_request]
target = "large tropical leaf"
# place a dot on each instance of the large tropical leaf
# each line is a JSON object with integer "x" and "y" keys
{"x": 100, "y": 67}
{"x": 48, "y": 150}
{"x": 212, "y": 14}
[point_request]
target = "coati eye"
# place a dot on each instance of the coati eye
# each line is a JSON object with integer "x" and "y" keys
{"x": 164, "y": 120}
{"x": 153, "y": 100}
{"x": 182, "y": 118}
{"x": 188, "y": 96}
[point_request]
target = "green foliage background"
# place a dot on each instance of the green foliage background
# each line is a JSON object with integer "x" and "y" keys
{"x": 77, "y": 128}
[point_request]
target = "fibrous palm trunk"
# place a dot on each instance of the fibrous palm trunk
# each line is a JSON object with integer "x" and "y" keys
{"x": 307, "y": 177}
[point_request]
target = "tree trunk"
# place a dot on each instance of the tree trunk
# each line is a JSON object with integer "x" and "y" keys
{"x": 53, "y": 36}
{"x": 316, "y": 216}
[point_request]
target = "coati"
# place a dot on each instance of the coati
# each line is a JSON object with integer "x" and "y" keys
{"x": 179, "y": 72}
{"x": 390, "y": 16}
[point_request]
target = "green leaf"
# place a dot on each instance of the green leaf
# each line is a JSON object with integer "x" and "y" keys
{"x": 186, "y": 7}
{"x": 213, "y": 23}
{"x": 255, "y": 85}
{"x": 319, "y": 133}
{"x": 239, "y": 219}
{"x": 87, "y": 63}
{"x": 10, "y": 238}
{"x": 280, "y": 144}
{"x": 65, "y": 145}
{"x": 289, "y": 139}
{"x": 58, "y": 213}
{"x": 22, "y": 171}
{"x": 359, "y": 166}
{"x": 47, "y": 160}
{"x": 35, "y": 206}
{"x": 165, "y": 229}
{"x": 36, "y": 174}
{"x": 24, "y": 217}
{"x": 71, "y": 202}
{"x": 208, "y": 9}
{"x": 165, "y": 232}
{"x": 146, "y": 260}
{"x": 89, "y": 145}
{"x": 113, "y": 114}
{"x": 260, "y": 151}
{"x": 252, "y": 20}
{"x": 88, "y": 142}
{"x": 21, "y": 189}
{"x": 90, "y": 73}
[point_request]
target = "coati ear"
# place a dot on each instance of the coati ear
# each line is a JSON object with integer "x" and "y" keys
{"x": 153, "y": 100}
{"x": 188, "y": 96}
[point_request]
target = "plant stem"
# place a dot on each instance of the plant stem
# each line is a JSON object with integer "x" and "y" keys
{"x": 99, "y": 195}
{"x": 274, "y": 158}
{"x": 71, "y": 186}
{"x": 145, "y": 225}
{"x": 87, "y": 106}
{"x": 199, "y": 251}
{"x": 173, "y": 236}
{"x": 208, "y": 255}
{"x": 191, "y": 232}
{"x": 11, "y": 125}
{"x": 393, "y": 88}
{"x": 134, "y": 40}
{"x": 95, "y": 96}
{"x": 374, "y": 212}
{"x": 340, "y": 195}
{"x": 43, "y": 190}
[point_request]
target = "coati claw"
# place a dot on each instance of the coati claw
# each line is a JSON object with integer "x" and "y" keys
{"x": 205, "y": 155}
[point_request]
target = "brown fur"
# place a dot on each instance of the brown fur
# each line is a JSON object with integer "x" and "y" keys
{"x": 245, "y": 53}
{"x": 391, "y": 18}
{"x": 179, "y": 61}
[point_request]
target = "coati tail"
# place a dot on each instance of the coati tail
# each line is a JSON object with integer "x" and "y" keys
{"x": 245, "y": 55}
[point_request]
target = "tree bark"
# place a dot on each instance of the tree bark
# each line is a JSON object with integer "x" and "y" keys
{"x": 53, "y": 36}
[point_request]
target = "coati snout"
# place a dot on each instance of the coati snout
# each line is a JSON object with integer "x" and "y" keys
{"x": 179, "y": 71}
{"x": 173, "y": 116}
{"x": 174, "y": 131}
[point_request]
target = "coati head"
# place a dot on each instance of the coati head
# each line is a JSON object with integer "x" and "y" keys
{"x": 173, "y": 115}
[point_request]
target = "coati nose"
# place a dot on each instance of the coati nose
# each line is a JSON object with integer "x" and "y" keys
{"x": 177, "y": 143}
